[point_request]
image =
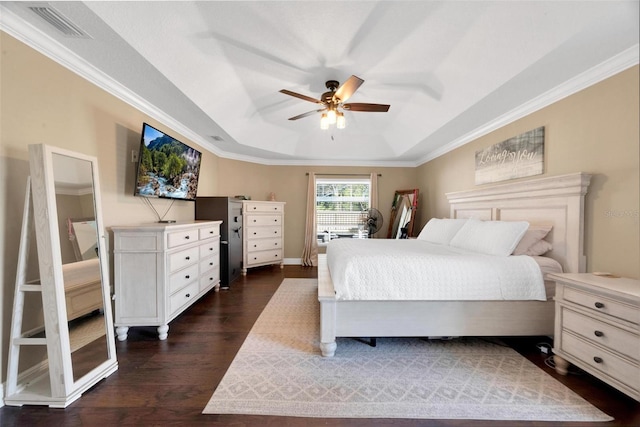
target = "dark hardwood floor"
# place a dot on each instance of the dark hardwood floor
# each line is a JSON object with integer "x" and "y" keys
{"x": 170, "y": 382}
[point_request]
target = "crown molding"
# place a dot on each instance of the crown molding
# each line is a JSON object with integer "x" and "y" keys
{"x": 596, "y": 74}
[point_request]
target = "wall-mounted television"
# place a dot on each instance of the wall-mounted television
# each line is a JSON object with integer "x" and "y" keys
{"x": 167, "y": 168}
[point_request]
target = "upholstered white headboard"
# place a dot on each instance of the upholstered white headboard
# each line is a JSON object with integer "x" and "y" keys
{"x": 552, "y": 200}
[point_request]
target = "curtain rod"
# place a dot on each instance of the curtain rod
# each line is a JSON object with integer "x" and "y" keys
{"x": 343, "y": 174}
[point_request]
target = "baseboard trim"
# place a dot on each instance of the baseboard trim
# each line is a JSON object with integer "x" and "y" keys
{"x": 292, "y": 261}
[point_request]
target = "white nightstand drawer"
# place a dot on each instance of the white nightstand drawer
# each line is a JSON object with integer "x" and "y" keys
{"x": 183, "y": 237}
{"x": 606, "y": 335}
{"x": 177, "y": 260}
{"x": 264, "y": 256}
{"x": 602, "y": 304}
{"x": 608, "y": 363}
{"x": 182, "y": 278}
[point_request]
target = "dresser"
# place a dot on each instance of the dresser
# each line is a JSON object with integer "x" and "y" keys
{"x": 263, "y": 239}
{"x": 162, "y": 269}
{"x": 597, "y": 328}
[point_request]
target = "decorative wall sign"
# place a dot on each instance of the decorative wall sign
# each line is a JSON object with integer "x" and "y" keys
{"x": 517, "y": 157}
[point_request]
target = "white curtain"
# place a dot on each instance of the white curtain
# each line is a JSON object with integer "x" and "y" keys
{"x": 373, "y": 195}
{"x": 310, "y": 251}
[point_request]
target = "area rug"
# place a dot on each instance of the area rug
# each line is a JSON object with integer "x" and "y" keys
{"x": 279, "y": 371}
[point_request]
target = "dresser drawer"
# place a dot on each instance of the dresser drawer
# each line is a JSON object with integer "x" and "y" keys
{"x": 182, "y": 297}
{"x": 178, "y": 260}
{"x": 601, "y": 360}
{"x": 264, "y": 220}
{"x": 209, "y": 263}
{"x": 264, "y": 244}
{"x": 606, "y": 335}
{"x": 209, "y": 279}
{"x": 263, "y": 232}
{"x": 182, "y": 237}
{"x": 182, "y": 278}
{"x": 210, "y": 248}
{"x": 264, "y": 256}
{"x": 601, "y": 304}
{"x": 208, "y": 232}
{"x": 263, "y": 207}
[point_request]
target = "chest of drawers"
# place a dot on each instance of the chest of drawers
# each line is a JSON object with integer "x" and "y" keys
{"x": 597, "y": 328}
{"x": 161, "y": 269}
{"x": 263, "y": 239}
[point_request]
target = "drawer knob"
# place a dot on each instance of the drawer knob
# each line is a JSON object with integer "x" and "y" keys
{"x": 187, "y": 258}
{"x": 211, "y": 263}
{"x": 254, "y": 220}
{"x": 211, "y": 232}
{"x": 598, "y": 333}
{"x": 599, "y": 305}
{"x": 276, "y": 255}
{"x": 254, "y": 233}
{"x": 275, "y": 220}
{"x": 188, "y": 295}
{"x": 187, "y": 276}
{"x": 186, "y": 237}
{"x": 254, "y": 208}
{"x": 210, "y": 278}
{"x": 255, "y": 246}
{"x": 597, "y": 359}
{"x": 210, "y": 249}
{"x": 275, "y": 232}
{"x": 255, "y": 258}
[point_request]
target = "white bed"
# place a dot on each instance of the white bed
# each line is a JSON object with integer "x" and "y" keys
{"x": 557, "y": 201}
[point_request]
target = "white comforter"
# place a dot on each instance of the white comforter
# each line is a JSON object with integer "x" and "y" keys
{"x": 388, "y": 269}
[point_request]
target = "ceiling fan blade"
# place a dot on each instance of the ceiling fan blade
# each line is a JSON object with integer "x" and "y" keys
{"x": 347, "y": 89}
{"x": 359, "y": 106}
{"x": 299, "y": 95}
{"x": 308, "y": 113}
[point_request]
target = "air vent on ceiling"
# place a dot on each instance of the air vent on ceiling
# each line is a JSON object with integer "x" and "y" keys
{"x": 59, "y": 21}
{"x": 217, "y": 138}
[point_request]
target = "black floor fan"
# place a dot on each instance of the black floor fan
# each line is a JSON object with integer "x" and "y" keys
{"x": 373, "y": 221}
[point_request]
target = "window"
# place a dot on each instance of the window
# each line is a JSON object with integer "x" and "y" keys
{"x": 341, "y": 207}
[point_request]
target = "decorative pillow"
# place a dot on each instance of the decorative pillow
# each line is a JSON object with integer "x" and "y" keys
{"x": 441, "y": 231}
{"x": 490, "y": 237}
{"x": 532, "y": 242}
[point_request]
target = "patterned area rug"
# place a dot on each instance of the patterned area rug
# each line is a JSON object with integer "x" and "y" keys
{"x": 279, "y": 371}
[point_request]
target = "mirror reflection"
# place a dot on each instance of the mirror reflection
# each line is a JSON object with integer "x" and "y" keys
{"x": 403, "y": 212}
{"x": 81, "y": 265}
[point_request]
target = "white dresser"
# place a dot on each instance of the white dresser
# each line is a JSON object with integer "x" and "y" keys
{"x": 263, "y": 239}
{"x": 161, "y": 269}
{"x": 597, "y": 328}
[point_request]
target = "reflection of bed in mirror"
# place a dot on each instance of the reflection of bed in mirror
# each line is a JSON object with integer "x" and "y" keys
{"x": 82, "y": 288}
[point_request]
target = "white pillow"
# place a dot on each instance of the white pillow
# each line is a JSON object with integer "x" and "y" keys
{"x": 441, "y": 231}
{"x": 531, "y": 243}
{"x": 490, "y": 237}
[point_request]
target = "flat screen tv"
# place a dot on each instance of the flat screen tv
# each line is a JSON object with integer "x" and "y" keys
{"x": 167, "y": 168}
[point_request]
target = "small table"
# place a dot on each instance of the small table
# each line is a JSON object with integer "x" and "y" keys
{"x": 597, "y": 328}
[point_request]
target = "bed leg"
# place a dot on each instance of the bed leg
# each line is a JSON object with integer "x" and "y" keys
{"x": 328, "y": 348}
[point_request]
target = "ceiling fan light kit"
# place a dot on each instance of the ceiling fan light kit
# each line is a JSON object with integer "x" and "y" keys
{"x": 333, "y": 101}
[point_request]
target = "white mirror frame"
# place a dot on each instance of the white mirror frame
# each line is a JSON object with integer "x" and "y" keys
{"x": 64, "y": 389}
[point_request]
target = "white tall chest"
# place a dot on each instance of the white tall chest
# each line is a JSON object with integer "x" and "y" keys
{"x": 161, "y": 270}
{"x": 263, "y": 238}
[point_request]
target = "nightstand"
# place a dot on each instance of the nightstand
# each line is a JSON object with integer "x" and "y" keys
{"x": 597, "y": 328}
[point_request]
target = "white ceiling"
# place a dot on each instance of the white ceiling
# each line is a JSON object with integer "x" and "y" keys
{"x": 452, "y": 71}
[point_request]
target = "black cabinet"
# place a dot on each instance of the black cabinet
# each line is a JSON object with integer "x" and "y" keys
{"x": 229, "y": 211}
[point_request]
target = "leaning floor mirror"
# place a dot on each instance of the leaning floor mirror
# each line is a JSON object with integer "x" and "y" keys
{"x": 74, "y": 280}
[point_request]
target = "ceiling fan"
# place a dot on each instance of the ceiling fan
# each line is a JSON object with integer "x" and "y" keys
{"x": 333, "y": 102}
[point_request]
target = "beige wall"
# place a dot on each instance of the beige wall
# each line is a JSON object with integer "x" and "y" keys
{"x": 289, "y": 183}
{"x": 594, "y": 131}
